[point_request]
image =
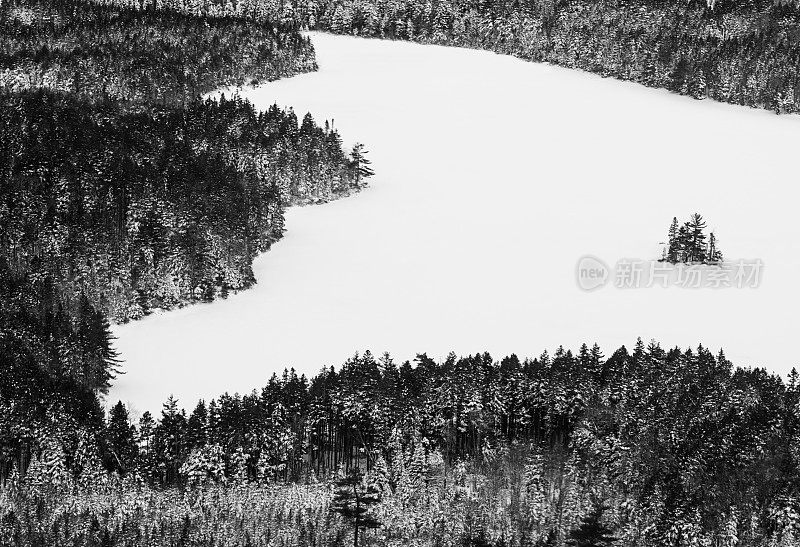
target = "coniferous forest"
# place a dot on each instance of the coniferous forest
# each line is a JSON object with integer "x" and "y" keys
{"x": 124, "y": 190}
{"x": 647, "y": 446}
{"x": 744, "y": 52}
{"x": 129, "y": 185}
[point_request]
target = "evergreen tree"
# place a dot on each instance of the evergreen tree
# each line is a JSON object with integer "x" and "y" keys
{"x": 714, "y": 254}
{"x": 684, "y": 243}
{"x": 197, "y": 426}
{"x": 86, "y": 462}
{"x": 147, "y": 462}
{"x": 591, "y": 532}
{"x": 359, "y": 164}
{"x": 170, "y": 440}
{"x": 353, "y": 500}
{"x": 121, "y": 436}
{"x": 674, "y": 249}
{"x": 696, "y": 238}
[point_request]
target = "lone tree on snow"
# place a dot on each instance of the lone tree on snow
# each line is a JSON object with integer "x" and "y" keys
{"x": 359, "y": 164}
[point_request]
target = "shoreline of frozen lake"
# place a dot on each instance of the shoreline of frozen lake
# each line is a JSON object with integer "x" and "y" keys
{"x": 494, "y": 176}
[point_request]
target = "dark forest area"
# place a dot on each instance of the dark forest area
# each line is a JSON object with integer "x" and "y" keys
{"x": 740, "y": 52}
{"x": 123, "y": 190}
{"x": 744, "y": 52}
{"x": 655, "y": 447}
{"x": 129, "y": 184}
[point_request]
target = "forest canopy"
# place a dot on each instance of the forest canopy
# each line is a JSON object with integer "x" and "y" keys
{"x": 657, "y": 447}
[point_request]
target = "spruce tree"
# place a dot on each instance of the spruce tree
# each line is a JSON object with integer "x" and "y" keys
{"x": 684, "y": 243}
{"x": 353, "y": 500}
{"x": 696, "y": 238}
{"x": 169, "y": 440}
{"x": 121, "y": 435}
{"x": 591, "y": 532}
{"x": 673, "y": 242}
{"x": 197, "y": 427}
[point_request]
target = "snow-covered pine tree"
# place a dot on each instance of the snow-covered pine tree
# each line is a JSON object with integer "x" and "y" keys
{"x": 87, "y": 463}
{"x": 673, "y": 250}
{"x": 49, "y": 467}
{"x": 121, "y": 437}
{"x": 353, "y": 501}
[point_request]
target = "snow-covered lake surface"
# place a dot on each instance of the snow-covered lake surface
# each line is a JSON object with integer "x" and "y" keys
{"x": 494, "y": 177}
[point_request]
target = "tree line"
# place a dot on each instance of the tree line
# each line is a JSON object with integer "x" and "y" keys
{"x": 744, "y": 52}
{"x": 649, "y": 446}
{"x": 164, "y": 57}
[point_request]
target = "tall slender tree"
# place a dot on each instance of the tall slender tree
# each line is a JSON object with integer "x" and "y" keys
{"x": 360, "y": 164}
{"x": 696, "y": 238}
{"x": 353, "y": 500}
{"x": 673, "y": 242}
{"x": 714, "y": 254}
{"x": 121, "y": 436}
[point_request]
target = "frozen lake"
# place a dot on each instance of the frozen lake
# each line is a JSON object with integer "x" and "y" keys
{"x": 494, "y": 177}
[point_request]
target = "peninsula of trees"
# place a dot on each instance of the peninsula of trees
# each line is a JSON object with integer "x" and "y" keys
{"x": 123, "y": 191}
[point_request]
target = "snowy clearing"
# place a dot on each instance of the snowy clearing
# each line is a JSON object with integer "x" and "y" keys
{"x": 494, "y": 177}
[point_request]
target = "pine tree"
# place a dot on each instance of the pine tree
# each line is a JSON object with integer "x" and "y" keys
{"x": 197, "y": 427}
{"x": 49, "y": 468}
{"x": 684, "y": 243}
{"x": 359, "y": 164}
{"x": 353, "y": 500}
{"x": 146, "y": 462}
{"x": 86, "y": 462}
{"x": 121, "y": 435}
{"x": 674, "y": 244}
{"x": 591, "y": 532}
{"x": 170, "y": 439}
{"x": 418, "y": 468}
{"x": 696, "y": 238}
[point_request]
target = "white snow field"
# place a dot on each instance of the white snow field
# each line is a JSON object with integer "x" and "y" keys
{"x": 494, "y": 177}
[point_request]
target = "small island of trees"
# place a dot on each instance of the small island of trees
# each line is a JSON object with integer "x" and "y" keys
{"x": 687, "y": 243}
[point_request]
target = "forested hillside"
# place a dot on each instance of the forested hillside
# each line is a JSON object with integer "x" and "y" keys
{"x": 659, "y": 447}
{"x": 160, "y": 56}
{"x": 122, "y": 191}
{"x": 744, "y": 52}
